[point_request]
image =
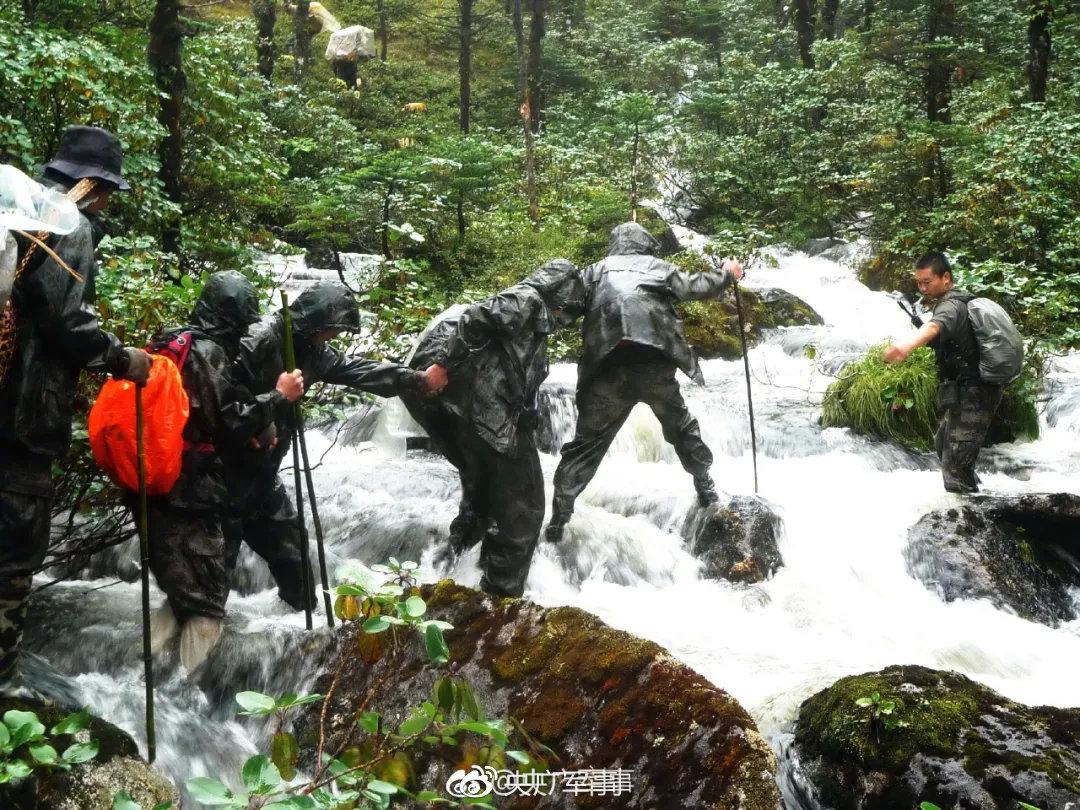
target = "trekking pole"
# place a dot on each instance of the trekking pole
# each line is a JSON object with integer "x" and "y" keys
{"x": 305, "y": 563}
{"x": 746, "y": 370}
{"x": 319, "y": 545}
{"x": 144, "y": 550}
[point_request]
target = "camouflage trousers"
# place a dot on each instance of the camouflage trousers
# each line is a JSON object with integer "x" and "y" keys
{"x": 962, "y": 431}
{"x": 188, "y": 559}
{"x": 627, "y": 376}
{"x": 24, "y": 541}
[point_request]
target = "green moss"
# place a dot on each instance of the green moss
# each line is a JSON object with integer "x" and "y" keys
{"x": 831, "y": 723}
{"x": 896, "y": 402}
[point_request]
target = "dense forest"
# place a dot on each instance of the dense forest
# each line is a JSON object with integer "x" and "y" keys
{"x": 485, "y": 137}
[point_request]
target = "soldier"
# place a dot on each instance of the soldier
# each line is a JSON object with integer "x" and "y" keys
{"x": 56, "y": 336}
{"x": 187, "y": 547}
{"x": 496, "y": 356}
{"x": 261, "y": 513}
{"x": 633, "y": 345}
{"x": 966, "y": 403}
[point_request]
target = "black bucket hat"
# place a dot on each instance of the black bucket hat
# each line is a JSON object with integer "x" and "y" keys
{"x": 90, "y": 152}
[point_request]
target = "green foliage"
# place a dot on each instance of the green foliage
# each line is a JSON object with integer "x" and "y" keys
{"x": 896, "y": 402}
{"x": 25, "y": 746}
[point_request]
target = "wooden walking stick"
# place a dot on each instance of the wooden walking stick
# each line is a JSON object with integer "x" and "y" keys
{"x": 319, "y": 545}
{"x": 305, "y": 562}
{"x": 746, "y": 371}
{"x": 144, "y": 550}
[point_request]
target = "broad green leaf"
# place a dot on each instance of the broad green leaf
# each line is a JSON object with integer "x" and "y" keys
{"x": 123, "y": 801}
{"x": 77, "y": 753}
{"x": 45, "y": 754}
{"x": 416, "y": 723}
{"x": 864, "y": 702}
{"x": 76, "y": 721}
{"x": 415, "y": 607}
{"x": 285, "y": 753}
{"x": 289, "y": 701}
{"x": 380, "y": 786}
{"x": 293, "y": 803}
{"x": 211, "y": 792}
{"x": 376, "y": 624}
{"x": 518, "y": 756}
{"x": 435, "y": 645}
{"x": 255, "y": 703}
{"x": 17, "y": 769}
{"x": 24, "y": 726}
{"x": 5, "y": 736}
{"x": 369, "y": 722}
{"x": 260, "y": 775}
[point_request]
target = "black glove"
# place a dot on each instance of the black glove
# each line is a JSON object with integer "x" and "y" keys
{"x": 138, "y": 368}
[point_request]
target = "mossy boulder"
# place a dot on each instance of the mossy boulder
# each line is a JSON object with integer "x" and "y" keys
{"x": 712, "y": 327}
{"x": 92, "y": 785}
{"x": 737, "y": 541}
{"x": 947, "y": 740}
{"x": 1021, "y": 553}
{"x": 599, "y": 697}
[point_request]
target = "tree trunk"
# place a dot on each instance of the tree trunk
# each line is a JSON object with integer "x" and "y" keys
{"x": 386, "y": 220}
{"x": 532, "y": 193}
{"x": 461, "y": 215}
{"x": 164, "y": 53}
{"x": 828, "y": 18}
{"x": 302, "y": 35}
{"x": 940, "y": 23}
{"x": 536, "y": 55}
{"x": 868, "y": 15}
{"x": 633, "y": 173}
{"x": 384, "y": 28}
{"x": 265, "y": 18}
{"x": 1038, "y": 65}
{"x": 804, "y": 31}
{"x": 465, "y": 38}
{"x": 29, "y": 10}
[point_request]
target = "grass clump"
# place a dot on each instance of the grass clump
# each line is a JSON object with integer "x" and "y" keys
{"x": 891, "y": 402}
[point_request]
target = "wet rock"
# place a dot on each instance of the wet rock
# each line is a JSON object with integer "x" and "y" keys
{"x": 1022, "y": 553}
{"x": 712, "y": 327}
{"x": 814, "y": 247}
{"x": 600, "y": 698}
{"x": 947, "y": 740}
{"x": 737, "y": 542}
{"x": 92, "y": 785}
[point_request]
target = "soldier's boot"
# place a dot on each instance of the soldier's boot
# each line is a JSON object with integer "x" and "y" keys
{"x": 163, "y": 628}
{"x": 197, "y": 639}
{"x": 561, "y": 512}
{"x": 706, "y": 490}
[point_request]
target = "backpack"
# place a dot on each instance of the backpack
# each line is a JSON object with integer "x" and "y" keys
{"x": 1001, "y": 349}
{"x": 165, "y": 413}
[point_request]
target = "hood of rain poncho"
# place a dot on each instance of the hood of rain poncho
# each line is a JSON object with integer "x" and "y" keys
{"x": 559, "y": 284}
{"x": 328, "y": 305}
{"x": 630, "y": 239}
{"x": 228, "y": 305}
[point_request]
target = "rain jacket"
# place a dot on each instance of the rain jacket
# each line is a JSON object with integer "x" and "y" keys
{"x": 630, "y": 297}
{"x": 324, "y": 306}
{"x": 496, "y": 351}
{"x": 223, "y": 415}
{"x": 58, "y": 335}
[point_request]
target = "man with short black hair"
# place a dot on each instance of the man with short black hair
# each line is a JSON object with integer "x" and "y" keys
{"x": 55, "y": 336}
{"x": 966, "y": 404}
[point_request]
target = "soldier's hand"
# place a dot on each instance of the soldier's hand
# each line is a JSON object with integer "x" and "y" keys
{"x": 893, "y": 354}
{"x": 291, "y": 385}
{"x": 733, "y": 266}
{"x": 435, "y": 378}
{"x": 138, "y": 370}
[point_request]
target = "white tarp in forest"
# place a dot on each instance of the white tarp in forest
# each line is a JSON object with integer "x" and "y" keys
{"x": 351, "y": 44}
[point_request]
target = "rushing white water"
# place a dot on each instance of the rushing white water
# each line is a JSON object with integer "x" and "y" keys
{"x": 842, "y": 603}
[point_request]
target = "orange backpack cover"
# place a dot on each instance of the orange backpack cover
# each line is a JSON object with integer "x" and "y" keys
{"x": 165, "y": 413}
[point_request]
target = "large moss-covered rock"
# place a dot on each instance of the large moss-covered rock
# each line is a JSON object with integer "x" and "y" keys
{"x": 92, "y": 785}
{"x": 948, "y": 740}
{"x": 712, "y": 327}
{"x": 1021, "y": 553}
{"x": 600, "y": 698}
{"x": 736, "y": 541}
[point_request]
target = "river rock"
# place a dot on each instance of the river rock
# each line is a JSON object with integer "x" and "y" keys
{"x": 712, "y": 327}
{"x": 948, "y": 740}
{"x": 738, "y": 541}
{"x": 599, "y": 697}
{"x": 1022, "y": 553}
{"x": 92, "y": 785}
